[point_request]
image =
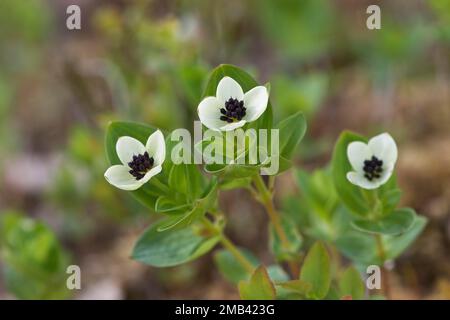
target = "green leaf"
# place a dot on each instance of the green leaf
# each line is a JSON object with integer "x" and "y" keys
{"x": 246, "y": 81}
{"x": 149, "y": 192}
{"x": 316, "y": 270}
{"x": 292, "y": 130}
{"x": 350, "y": 194}
{"x": 396, "y": 245}
{"x": 395, "y": 223}
{"x": 230, "y": 268}
{"x": 231, "y": 171}
{"x": 198, "y": 209}
{"x": 351, "y": 284}
{"x": 298, "y": 286}
{"x": 34, "y": 263}
{"x": 277, "y": 273}
{"x": 187, "y": 180}
{"x": 294, "y": 237}
{"x": 319, "y": 193}
{"x": 362, "y": 247}
{"x": 359, "y": 247}
{"x": 259, "y": 287}
{"x": 181, "y": 218}
{"x": 230, "y": 184}
{"x": 171, "y": 247}
{"x": 165, "y": 204}
{"x": 390, "y": 199}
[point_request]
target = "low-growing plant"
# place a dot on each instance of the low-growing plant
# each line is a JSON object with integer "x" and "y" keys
{"x": 34, "y": 263}
{"x": 349, "y": 207}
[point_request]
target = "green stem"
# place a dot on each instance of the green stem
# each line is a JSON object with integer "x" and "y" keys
{"x": 266, "y": 198}
{"x": 237, "y": 254}
{"x": 372, "y": 197}
{"x": 373, "y": 200}
{"x": 271, "y": 183}
{"x": 385, "y": 272}
{"x": 228, "y": 244}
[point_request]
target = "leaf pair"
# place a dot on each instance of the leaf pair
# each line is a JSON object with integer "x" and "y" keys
{"x": 362, "y": 247}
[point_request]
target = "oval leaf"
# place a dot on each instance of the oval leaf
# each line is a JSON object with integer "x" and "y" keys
{"x": 292, "y": 130}
{"x": 351, "y": 284}
{"x": 259, "y": 287}
{"x": 316, "y": 270}
{"x": 230, "y": 268}
{"x": 172, "y": 247}
{"x": 395, "y": 223}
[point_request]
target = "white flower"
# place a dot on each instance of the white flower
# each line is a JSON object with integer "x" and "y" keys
{"x": 231, "y": 108}
{"x": 373, "y": 162}
{"x": 139, "y": 162}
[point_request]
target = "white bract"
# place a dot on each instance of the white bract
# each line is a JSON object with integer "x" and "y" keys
{"x": 231, "y": 108}
{"x": 139, "y": 162}
{"x": 373, "y": 163}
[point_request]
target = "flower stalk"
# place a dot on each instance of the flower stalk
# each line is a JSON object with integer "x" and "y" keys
{"x": 265, "y": 196}
{"x": 385, "y": 272}
{"x": 229, "y": 245}
{"x": 372, "y": 197}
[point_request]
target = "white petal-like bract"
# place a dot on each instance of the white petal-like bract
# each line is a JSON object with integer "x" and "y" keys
{"x": 229, "y": 88}
{"x": 384, "y": 147}
{"x": 357, "y": 152}
{"x": 209, "y": 113}
{"x": 119, "y": 176}
{"x": 255, "y": 102}
{"x": 127, "y": 147}
{"x": 156, "y": 147}
{"x": 232, "y": 125}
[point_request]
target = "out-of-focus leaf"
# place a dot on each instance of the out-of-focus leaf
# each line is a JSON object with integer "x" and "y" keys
{"x": 362, "y": 247}
{"x": 389, "y": 200}
{"x": 359, "y": 247}
{"x": 351, "y": 284}
{"x": 229, "y": 184}
{"x": 277, "y": 273}
{"x": 316, "y": 270}
{"x": 294, "y": 237}
{"x": 259, "y": 287}
{"x": 298, "y": 286}
{"x": 230, "y": 268}
{"x": 34, "y": 262}
{"x": 395, "y": 223}
{"x": 396, "y": 245}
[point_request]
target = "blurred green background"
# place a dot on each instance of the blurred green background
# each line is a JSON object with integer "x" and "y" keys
{"x": 147, "y": 61}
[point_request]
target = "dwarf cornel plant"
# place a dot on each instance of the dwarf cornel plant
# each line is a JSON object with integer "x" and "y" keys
{"x": 348, "y": 208}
